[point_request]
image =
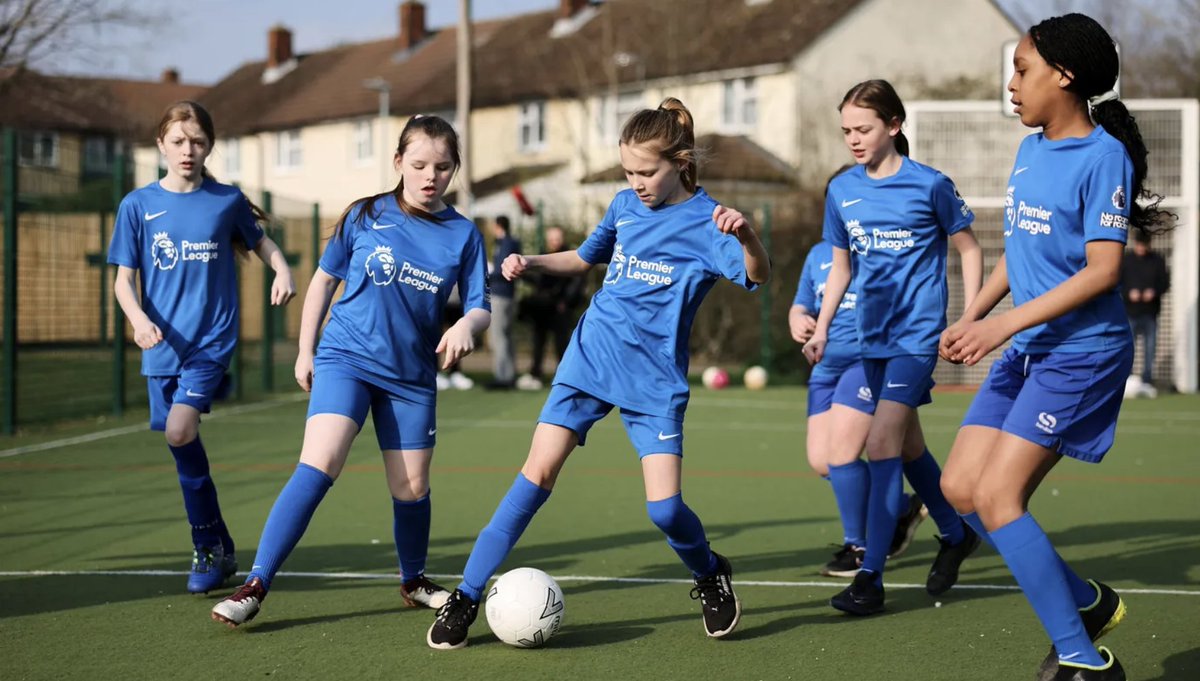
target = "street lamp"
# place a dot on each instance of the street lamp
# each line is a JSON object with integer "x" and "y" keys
{"x": 385, "y": 102}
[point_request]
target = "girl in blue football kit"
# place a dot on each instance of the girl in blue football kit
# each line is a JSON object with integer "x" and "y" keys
{"x": 1072, "y": 198}
{"x": 180, "y": 235}
{"x": 666, "y": 243}
{"x": 895, "y": 215}
{"x": 839, "y": 413}
{"x": 399, "y": 255}
{"x": 839, "y": 417}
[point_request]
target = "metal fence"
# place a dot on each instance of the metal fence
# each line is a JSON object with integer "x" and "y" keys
{"x": 67, "y": 350}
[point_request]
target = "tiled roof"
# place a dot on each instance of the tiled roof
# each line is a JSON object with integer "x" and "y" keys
{"x": 128, "y": 109}
{"x": 517, "y": 58}
{"x": 726, "y": 158}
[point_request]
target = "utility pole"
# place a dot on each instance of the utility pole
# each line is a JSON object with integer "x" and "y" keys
{"x": 463, "y": 114}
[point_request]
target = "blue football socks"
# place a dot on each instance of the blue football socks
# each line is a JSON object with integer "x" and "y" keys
{"x": 410, "y": 527}
{"x": 200, "y": 497}
{"x": 886, "y": 488}
{"x": 509, "y": 521}
{"x": 288, "y": 519}
{"x": 851, "y": 486}
{"x": 684, "y": 533}
{"x": 925, "y": 476}
{"x": 1037, "y": 569}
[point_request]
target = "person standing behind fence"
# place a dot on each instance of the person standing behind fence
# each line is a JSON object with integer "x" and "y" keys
{"x": 503, "y": 308}
{"x": 180, "y": 235}
{"x": 1144, "y": 281}
{"x": 550, "y": 309}
{"x": 398, "y": 253}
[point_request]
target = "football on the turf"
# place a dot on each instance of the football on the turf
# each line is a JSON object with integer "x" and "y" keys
{"x": 755, "y": 378}
{"x": 714, "y": 378}
{"x": 524, "y": 607}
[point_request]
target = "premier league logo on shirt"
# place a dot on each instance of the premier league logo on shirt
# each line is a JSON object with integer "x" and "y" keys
{"x": 1118, "y": 198}
{"x": 381, "y": 266}
{"x": 164, "y": 252}
{"x": 860, "y": 243}
{"x": 1010, "y": 210}
{"x": 616, "y": 266}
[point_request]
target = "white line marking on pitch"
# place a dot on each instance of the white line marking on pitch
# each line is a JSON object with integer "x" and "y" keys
{"x": 561, "y": 578}
{"x": 141, "y": 427}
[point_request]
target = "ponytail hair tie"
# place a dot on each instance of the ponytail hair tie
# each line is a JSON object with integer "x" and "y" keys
{"x": 1102, "y": 98}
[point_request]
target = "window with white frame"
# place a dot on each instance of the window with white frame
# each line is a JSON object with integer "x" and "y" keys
{"x": 39, "y": 149}
{"x": 612, "y": 112}
{"x": 739, "y": 110}
{"x": 363, "y": 141}
{"x": 289, "y": 154}
{"x": 97, "y": 154}
{"x": 531, "y": 126}
{"x": 233, "y": 159}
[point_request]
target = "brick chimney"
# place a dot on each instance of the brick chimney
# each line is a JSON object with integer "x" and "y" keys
{"x": 170, "y": 76}
{"x": 279, "y": 46}
{"x": 569, "y": 8}
{"x": 412, "y": 23}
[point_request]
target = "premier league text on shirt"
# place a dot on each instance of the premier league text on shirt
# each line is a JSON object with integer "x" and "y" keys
{"x": 202, "y": 251}
{"x": 1034, "y": 219}
{"x": 650, "y": 271}
{"x": 892, "y": 239}
{"x": 419, "y": 279}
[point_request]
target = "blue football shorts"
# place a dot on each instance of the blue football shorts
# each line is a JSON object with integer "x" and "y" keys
{"x": 906, "y": 379}
{"x": 1065, "y": 402}
{"x": 576, "y": 410}
{"x": 400, "y": 422}
{"x": 848, "y": 388}
{"x": 198, "y": 385}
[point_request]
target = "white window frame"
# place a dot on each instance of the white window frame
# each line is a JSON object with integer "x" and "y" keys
{"x": 612, "y": 112}
{"x": 289, "y": 151}
{"x": 38, "y": 159}
{"x": 98, "y": 154}
{"x": 531, "y": 126}
{"x": 739, "y": 104}
{"x": 362, "y": 141}
{"x": 233, "y": 159}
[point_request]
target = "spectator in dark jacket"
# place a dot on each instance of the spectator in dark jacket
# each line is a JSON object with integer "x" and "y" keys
{"x": 503, "y": 307}
{"x": 1144, "y": 281}
{"x": 551, "y": 311}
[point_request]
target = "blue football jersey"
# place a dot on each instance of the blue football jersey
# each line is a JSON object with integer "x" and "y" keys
{"x": 182, "y": 246}
{"x": 398, "y": 271}
{"x": 843, "y": 349}
{"x": 1061, "y": 195}
{"x": 631, "y": 345}
{"x": 896, "y": 230}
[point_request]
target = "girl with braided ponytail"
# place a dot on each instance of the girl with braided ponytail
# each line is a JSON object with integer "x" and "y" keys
{"x": 666, "y": 243}
{"x": 1072, "y": 199}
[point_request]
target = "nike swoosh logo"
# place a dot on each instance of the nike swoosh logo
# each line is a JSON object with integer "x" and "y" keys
{"x": 1072, "y": 656}
{"x": 432, "y": 431}
{"x": 847, "y": 204}
{"x": 667, "y": 437}
{"x": 150, "y": 217}
{"x": 622, "y": 223}
{"x": 897, "y": 385}
{"x": 376, "y": 225}
{"x": 826, "y": 265}
{"x": 189, "y": 393}
{"x": 1020, "y": 170}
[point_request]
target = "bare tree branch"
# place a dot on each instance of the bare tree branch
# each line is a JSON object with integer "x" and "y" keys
{"x": 36, "y": 33}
